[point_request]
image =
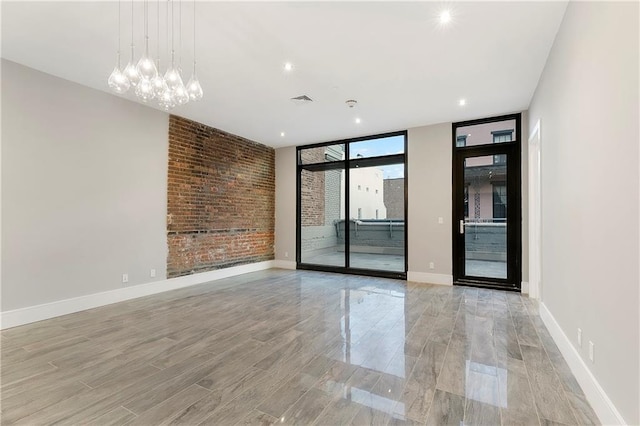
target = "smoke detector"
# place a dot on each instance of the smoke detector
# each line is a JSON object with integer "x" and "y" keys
{"x": 351, "y": 103}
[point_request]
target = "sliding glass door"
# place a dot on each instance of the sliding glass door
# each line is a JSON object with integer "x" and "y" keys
{"x": 351, "y": 206}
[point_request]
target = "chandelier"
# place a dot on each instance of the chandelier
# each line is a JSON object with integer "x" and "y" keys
{"x": 145, "y": 78}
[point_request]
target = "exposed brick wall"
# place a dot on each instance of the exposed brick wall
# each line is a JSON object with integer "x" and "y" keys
{"x": 312, "y": 189}
{"x": 221, "y": 199}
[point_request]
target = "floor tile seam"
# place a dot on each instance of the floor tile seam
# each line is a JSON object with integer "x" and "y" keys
{"x": 555, "y": 372}
{"x": 255, "y": 404}
{"x": 83, "y": 383}
{"x": 468, "y": 402}
{"x": 203, "y": 352}
{"x": 533, "y": 395}
{"x": 518, "y": 337}
{"x": 285, "y": 331}
{"x": 466, "y": 399}
{"x": 431, "y": 405}
{"x": 574, "y": 409}
{"x": 55, "y": 343}
{"x": 240, "y": 422}
{"x": 165, "y": 400}
{"x": 239, "y": 372}
{"x": 565, "y": 392}
{"x": 299, "y": 351}
{"x": 24, "y": 379}
{"x": 446, "y": 353}
{"x": 175, "y": 413}
{"x": 553, "y": 365}
{"x": 37, "y": 410}
{"x": 137, "y": 365}
{"x": 313, "y": 386}
{"x": 326, "y": 408}
{"x": 221, "y": 355}
{"x": 461, "y": 312}
{"x": 15, "y": 406}
{"x": 177, "y": 377}
{"x": 423, "y": 421}
{"x": 122, "y": 406}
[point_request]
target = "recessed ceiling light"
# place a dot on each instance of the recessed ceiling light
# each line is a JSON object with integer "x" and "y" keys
{"x": 358, "y": 121}
{"x": 288, "y": 66}
{"x": 462, "y": 102}
{"x": 445, "y": 17}
{"x": 282, "y": 134}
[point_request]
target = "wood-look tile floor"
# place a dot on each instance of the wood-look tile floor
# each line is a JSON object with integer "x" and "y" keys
{"x": 293, "y": 347}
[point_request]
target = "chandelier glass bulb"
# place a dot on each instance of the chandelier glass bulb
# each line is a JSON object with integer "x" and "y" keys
{"x": 146, "y": 68}
{"x": 180, "y": 94}
{"x": 144, "y": 91}
{"x": 172, "y": 78}
{"x": 131, "y": 72}
{"x": 194, "y": 89}
{"x": 166, "y": 101}
{"x": 117, "y": 81}
{"x": 159, "y": 86}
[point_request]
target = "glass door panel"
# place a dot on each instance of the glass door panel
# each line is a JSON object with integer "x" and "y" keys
{"x": 376, "y": 226}
{"x": 322, "y": 217}
{"x": 487, "y": 221}
{"x": 485, "y": 216}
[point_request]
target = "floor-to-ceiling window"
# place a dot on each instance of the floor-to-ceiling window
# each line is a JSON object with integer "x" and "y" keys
{"x": 352, "y": 206}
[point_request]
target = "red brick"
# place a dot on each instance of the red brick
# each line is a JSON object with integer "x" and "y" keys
{"x": 221, "y": 199}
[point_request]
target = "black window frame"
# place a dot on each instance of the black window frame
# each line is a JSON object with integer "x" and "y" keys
{"x": 347, "y": 164}
{"x": 513, "y": 149}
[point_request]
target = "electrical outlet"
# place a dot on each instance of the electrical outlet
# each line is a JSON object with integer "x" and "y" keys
{"x": 125, "y": 278}
{"x": 286, "y": 254}
{"x": 591, "y": 349}
{"x": 579, "y": 337}
{"x": 440, "y": 220}
{"x": 431, "y": 265}
{"x": 152, "y": 273}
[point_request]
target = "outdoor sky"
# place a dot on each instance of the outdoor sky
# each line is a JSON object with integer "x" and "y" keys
{"x": 378, "y": 147}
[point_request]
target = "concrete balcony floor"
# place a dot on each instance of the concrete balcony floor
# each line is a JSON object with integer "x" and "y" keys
{"x": 379, "y": 262}
{"x": 395, "y": 263}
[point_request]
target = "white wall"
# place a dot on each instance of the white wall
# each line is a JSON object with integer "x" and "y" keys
{"x": 429, "y": 159}
{"x": 587, "y": 103}
{"x": 84, "y": 187}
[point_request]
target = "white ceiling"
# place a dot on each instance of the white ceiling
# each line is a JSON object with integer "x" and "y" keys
{"x": 396, "y": 59}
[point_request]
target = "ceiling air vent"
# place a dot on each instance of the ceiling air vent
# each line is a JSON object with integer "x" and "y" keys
{"x": 301, "y": 100}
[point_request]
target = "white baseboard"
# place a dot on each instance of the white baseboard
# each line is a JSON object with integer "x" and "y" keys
{"x": 534, "y": 290}
{"x": 284, "y": 264}
{"x": 599, "y": 400}
{"x": 524, "y": 287}
{"x": 31, "y": 314}
{"x": 427, "y": 277}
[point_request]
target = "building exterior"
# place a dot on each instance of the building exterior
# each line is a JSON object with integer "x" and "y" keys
{"x": 394, "y": 198}
{"x": 367, "y": 194}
